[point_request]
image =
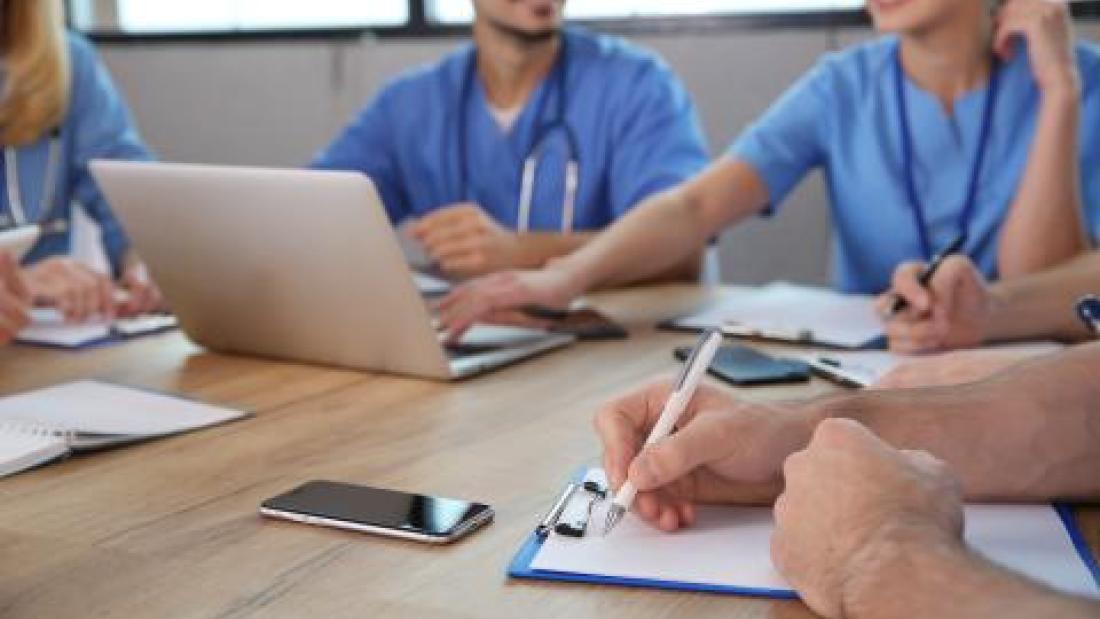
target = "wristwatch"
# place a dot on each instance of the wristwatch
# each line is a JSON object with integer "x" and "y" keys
{"x": 1088, "y": 308}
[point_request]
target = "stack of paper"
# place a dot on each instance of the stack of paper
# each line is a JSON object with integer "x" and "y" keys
{"x": 49, "y": 328}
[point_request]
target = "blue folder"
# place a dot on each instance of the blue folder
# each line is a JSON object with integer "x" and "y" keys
{"x": 521, "y": 567}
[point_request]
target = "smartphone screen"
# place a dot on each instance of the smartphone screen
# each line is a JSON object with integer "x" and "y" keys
{"x": 380, "y": 509}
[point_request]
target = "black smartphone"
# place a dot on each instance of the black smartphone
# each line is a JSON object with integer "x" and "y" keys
{"x": 382, "y": 512}
{"x": 585, "y": 324}
{"x": 745, "y": 367}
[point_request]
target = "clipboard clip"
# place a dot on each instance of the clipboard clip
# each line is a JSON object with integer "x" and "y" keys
{"x": 801, "y": 336}
{"x": 571, "y": 512}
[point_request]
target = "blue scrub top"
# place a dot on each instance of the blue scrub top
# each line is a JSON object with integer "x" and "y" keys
{"x": 637, "y": 127}
{"x": 97, "y": 126}
{"x": 842, "y": 117}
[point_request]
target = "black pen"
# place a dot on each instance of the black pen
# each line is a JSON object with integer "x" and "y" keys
{"x": 929, "y": 272}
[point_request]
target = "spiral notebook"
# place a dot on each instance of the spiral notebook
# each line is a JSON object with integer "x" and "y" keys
{"x": 40, "y": 426}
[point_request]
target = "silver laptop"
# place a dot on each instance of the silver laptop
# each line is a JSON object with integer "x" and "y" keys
{"x": 293, "y": 264}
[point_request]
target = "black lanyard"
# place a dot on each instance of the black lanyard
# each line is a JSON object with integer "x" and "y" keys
{"x": 915, "y": 203}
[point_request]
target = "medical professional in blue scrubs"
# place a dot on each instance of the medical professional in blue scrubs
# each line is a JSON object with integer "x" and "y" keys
{"x": 966, "y": 119}
{"x": 516, "y": 149}
{"x": 15, "y": 299}
{"x": 59, "y": 110}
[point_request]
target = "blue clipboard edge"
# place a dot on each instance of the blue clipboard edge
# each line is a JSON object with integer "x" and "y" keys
{"x": 1065, "y": 512}
{"x": 520, "y": 567}
{"x": 111, "y": 340}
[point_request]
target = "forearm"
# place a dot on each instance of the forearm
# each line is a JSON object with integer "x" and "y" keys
{"x": 652, "y": 239}
{"x": 1042, "y": 305}
{"x": 668, "y": 229}
{"x": 535, "y": 249}
{"x": 910, "y": 577}
{"x": 1045, "y": 226}
{"x": 1030, "y": 433}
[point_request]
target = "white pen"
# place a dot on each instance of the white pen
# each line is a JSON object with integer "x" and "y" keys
{"x": 694, "y": 369}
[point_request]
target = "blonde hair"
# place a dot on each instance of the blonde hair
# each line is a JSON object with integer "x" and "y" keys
{"x": 35, "y": 69}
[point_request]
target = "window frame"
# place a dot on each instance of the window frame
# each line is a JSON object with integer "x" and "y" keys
{"x": 420, "y": 26}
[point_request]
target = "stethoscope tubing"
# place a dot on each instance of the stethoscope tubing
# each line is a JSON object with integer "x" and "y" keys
{"x": 18, "y": 209}
{"x": 529, "y": 170}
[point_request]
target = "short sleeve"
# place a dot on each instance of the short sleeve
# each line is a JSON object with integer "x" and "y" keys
{"x": 659, "y": 142}
{"x": 787, "y": 142}
{"x": 368, "y": 145}
{"x": 104, "y": 129}
{"x": 1090, "y": 153}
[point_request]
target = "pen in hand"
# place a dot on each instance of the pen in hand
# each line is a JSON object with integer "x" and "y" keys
{"x": 690, "y": 376}
{"x": 928, "y": 273}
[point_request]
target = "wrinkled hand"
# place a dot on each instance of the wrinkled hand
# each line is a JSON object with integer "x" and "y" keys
{"x": 952, "y": 312}
{"x": 501, "y": 298}
{"x": 78, "y": 292}
{"x": 1046, "y": 26}
{"x": 953, "y": 368}
{"x": 142, "y": 294}
{"x": 465, "y": 241}
{"x": 725, "y": 451}
{"x": 15, "y": 299}
{"x": 847, "y": 496}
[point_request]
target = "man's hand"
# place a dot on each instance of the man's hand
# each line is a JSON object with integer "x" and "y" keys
{"x": 1046, "y": 26}
{"x": 500, "y": 298}
{"x": 724, "y": 451}
{"x": 952, "y": 312}
{"x": 466, "y": 242}
{"x": 142, "y": 296}
{"x": 78, "y": 292}
{"x": 15, "y": 299}
{"x": 849, "y": 498}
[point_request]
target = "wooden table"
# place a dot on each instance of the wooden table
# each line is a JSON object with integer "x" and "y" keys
{"x": 169, "y": 528}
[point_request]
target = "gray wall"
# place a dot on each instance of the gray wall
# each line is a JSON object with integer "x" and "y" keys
{"x": 276, "y": 103}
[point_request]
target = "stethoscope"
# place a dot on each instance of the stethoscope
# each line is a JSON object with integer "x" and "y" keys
{"x": 534, "y": 153}
{"x": 915, "y": 203}
{"x": 17, "y": 215}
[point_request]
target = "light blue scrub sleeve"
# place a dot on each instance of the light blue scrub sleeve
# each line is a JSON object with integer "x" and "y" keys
{"x": 103, "y": 129}
{"x": 788, "y": 141}
{"x": 659, "y": 141}
{"x": 1090, "y": 156}
{"x": 367, "y": 146}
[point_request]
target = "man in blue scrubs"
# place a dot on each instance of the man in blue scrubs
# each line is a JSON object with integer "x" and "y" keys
{"x": 446, "y": 145}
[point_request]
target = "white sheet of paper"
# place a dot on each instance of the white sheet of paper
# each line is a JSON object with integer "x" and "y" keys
{"x": 21, "y": 448}
{"x": 833, "y": 318}
{"x": 91, "y": 407}
{"x": 729, "y": 546}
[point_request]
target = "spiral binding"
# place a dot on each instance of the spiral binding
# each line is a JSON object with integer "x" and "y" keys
{"x": 27, "y": 428}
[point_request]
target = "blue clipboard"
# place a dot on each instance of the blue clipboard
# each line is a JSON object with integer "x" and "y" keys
{"x": 520, "y": 567}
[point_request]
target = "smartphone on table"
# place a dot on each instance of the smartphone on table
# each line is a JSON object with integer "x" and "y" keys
{"x": 377, "y": 511}
{"x": 745, "y": 367}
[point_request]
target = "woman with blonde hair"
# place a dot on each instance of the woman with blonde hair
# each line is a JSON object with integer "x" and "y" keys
{"x": 58, "y": 110}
